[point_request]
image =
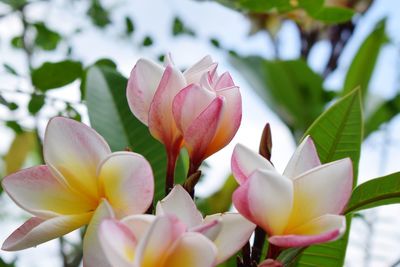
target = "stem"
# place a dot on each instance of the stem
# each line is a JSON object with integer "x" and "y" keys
{"x": 246, "y": 255}
{"x": 259, "y": 239}
{"x": 171, "y": 162}
{"x": 273, "y": 252}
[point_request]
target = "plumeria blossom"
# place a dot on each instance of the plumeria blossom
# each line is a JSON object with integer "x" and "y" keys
{"x": 300, "y": 207}
{"x": 151, "y": 90}
{"x": 228, "y": 231}
{"x": 208, "y": 114}
{"x": 81, "y": 183}
{"x": 163, "y": 242}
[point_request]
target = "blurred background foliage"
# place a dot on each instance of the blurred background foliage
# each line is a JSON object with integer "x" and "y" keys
{"x": 292, "y": 89}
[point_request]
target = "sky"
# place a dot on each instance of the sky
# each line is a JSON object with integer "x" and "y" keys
{"x": 380, "y": 151}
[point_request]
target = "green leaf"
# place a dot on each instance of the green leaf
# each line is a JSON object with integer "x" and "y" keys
{"x": 22, "y": 145}
{"x": 46, "y": 38}
{"x": 10, "y": 69}
{"x": 15, "y": 4}
{"x": 110, "y": 115}
{"x": 382, "y": 114}
{"x": 36, "y": 103}
{"x": 129, "y": 26}
{"x": 331, "y": 15}
{"x": 178, "y": 28}
{"x": 15, "y": 126}
{"x": 56, "y": 74}
{"x": 215, "y": 43}
{"x": 290, "y": 88}
{"x": 221, "y": 200}
{"x": 363, "y": 64}
{"x": 17, "y": 42}
{"x": 376, "y": 192}
{"x": 98, "y": 14}
{"x": 147, "y": 41}
{"x": 337, "y": 134}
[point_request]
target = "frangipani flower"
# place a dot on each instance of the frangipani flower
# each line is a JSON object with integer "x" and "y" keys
{"x": 208, "y": 114}
{"x": 228, "y": 231}
{"x": 151, "y": 90}
{"x": 164, "y": 243}
{"x": 80, "y": 183}
{"x": 300, "y": 207}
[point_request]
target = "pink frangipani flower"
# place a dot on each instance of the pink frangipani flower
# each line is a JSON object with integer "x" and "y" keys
{"x": 208, "y": 114}
{"x": 161, "y": 241}
{"x": 151, "y": 90}
{"x": 299, "y": 208}
{"x": 229, "y": 231}
{"x": 81, "y": 183}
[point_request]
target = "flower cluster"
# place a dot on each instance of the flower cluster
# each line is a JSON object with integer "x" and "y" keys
{"x": 84, "y": 183}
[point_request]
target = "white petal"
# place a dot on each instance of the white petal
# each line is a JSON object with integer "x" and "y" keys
{"x": 245, "y": 161}
{"x": 179, "y": 203}
{"x": 304, "y": 158}
{"x": 323, "y": 190}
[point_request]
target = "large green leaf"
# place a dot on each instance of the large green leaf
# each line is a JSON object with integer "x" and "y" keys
{"x": 110, "y": 115}
{"x": 52, "y": 75}
{"x": 337, "y": 134}
{"x": 290, "y": 88}
{"x": 363, "y": 65}
{"x": 383, "y": 113}
{"x": 377, "y": 192}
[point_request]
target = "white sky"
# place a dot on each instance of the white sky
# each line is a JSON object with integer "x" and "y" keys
{"x": 154, "y": 18}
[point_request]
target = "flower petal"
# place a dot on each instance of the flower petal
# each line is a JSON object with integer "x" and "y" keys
{"x": 270, "y": 199}
{"x": 210, "y": 229}
{"x": 224, "y": 81}
{"x": 194, "y": 73}
{"x": 192, "y": 249}
{"x": 230, "y": 119}
{"x": 179, "y": 203}
{"x": 234, "y": 233}
{"x": 36, "y": 230}
{"x": 161, "y": 121}
{"x": 118, "y": 243}
{"x": 245, "y": 161}
{"x": 152, "y": 249}
{"x": 142, "y": 85}
{"x": 322, "y": 229}
{"x": 37, "y": 191}
{"x": 189, "y": 103}
{"x": 322, "y": 190}
{"x": 139, "y": 224}
{"x": 93, "y": 254}
{"x": 75, "y": 151}
{"x": 202, "y": 130}
{"x": 128, "y": 183}
{"x": 304, "y": 158}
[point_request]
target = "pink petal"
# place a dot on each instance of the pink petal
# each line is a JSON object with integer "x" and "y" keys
{"x": 128, "y": 183}
{"x": 322, "y": 190}
{"x": 36, "y": 230}
{"x": 194, "y": 73}
{"x": 37, "y": 191}
{"x": 118, "y": 243}
{"x": 192, "y": 249}
{"x": 224, "y": 81}
{"x": 93, "y": 254}
{"x": 234, "y": 233}
{"x": 209, "y": 228}
{"x": 75, "y": 151}
{"x": 270, "y": 199}
{"x": 179, "y": 203}
{"x": 161, "y": 121}
{"x": 244, "y": 162}
{"x": 322, "y": 229}
{"x": 201, "y": 132}
{"x": 139, "y": 224}
{"x": 189, "y": 103}
{"x": 230, "y": 120}
{"x": 152, "y": 249}
{"x": 304, "y": 159}
{"x": 142, "y": 85}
